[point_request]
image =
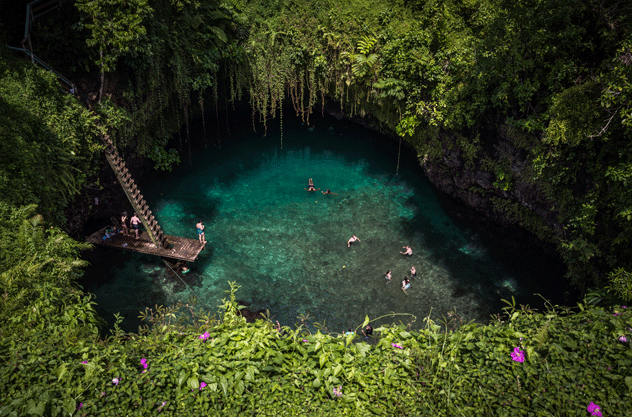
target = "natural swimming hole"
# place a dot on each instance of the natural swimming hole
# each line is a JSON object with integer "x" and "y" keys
{"x": 287, "y": 247}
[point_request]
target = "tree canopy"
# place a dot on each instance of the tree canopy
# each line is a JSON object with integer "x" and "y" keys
{"x": 535, "y": 93}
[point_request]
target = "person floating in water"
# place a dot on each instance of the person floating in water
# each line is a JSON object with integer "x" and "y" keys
{"x": 405, "y": 285}
{"x": 408, "y": 251}
{"x": 388, "y": 276}
{"x": 328, "y": 192}
{"x": 310, "y": 186}
{"x": 348, "y": 332}
{"x": 124, "y": 223}
{"x": 182, "y": 267}
{"x": 352, "y": 240}
{"x": 135, "y": 222}
{"x": 413, "y": 271}
{"x": 200, "y": 230}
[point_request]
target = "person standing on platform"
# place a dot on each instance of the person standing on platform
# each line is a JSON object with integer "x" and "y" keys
{"x": 124, "y": 223}
{"x": 135, "y": 222}
{"x": 200, "y": 230}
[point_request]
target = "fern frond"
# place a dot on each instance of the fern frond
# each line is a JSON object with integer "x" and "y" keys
{"x": 366, "y": 44}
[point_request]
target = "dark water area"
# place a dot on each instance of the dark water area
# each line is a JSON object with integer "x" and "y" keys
{"x": 287, "y": 248}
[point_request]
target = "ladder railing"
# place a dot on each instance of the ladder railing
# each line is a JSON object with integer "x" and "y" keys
{"x": 133, "y": 194}
{"x": 65, "y": 81}
{"x": 35, "y": 10}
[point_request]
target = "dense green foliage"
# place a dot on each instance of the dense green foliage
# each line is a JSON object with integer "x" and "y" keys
{"x": 167, "y": 55}
{"x": 40, "y": 267}
{"x": 190, "y": 363}
{"x": 533, "y": 92}
{"x": 48, "y": 141}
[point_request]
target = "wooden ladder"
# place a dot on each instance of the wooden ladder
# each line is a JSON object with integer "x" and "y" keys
{"x": 133, "y": 194}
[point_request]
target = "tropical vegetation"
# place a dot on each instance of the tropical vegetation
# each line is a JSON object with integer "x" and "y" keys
{"x": 527, "y": 101}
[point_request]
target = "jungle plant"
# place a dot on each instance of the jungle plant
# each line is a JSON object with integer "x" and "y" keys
{"x": 116, "y": 28}
{"x": 49, "y": 141}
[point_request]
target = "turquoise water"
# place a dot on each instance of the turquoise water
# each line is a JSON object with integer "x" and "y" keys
{"x": 287, "y": 248}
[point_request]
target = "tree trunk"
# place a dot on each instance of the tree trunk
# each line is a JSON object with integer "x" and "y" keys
{"x": 102, "y": 76}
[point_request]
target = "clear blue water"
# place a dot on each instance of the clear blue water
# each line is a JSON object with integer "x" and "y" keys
{"x": 287, "y": 248}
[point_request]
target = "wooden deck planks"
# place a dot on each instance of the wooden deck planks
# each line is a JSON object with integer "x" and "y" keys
{"x": 179, "y": 248}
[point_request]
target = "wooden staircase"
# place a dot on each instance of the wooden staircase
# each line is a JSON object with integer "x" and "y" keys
{"x": 156, "y": 242}
{"x": 134, "y": 196}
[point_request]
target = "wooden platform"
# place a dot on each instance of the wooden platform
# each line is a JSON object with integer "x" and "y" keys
{"x": 179, "y": 248}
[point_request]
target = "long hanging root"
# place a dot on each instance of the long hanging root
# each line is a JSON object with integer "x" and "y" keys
{"x": 281, "y": 122}
{"x": 399, "y": 151}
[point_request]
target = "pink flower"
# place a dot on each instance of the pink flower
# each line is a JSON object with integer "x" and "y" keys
{"x": 623, "y": 339}
{"x": 594, "y": 409}
{"x": 395, "y": 345}
{"x": 84, "y": 362}
{"x": 202, "y": 385}
{"x": 144, "y": 363}
{"x": 115, "y": 381}
{"x": 204, "y": 336}
{"x": 517, "y": 355}
{"x": 305, "y": 340}
{"x": 338, "y": 391}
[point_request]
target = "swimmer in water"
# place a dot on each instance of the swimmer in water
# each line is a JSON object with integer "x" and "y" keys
{"x": 352, "y": 240}
{"x": 405, "y": 285}
{"x": 388, "y": 276}
{"x": 408, "y": 251}
{"x": 413, "y": 271}
{"x": 328, "y": 192}
{"x": 310, "y": 186}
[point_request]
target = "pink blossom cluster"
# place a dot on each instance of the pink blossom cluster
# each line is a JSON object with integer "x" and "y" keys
{"x": 594, "y": 409}
{"x": 517, "y": 355}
